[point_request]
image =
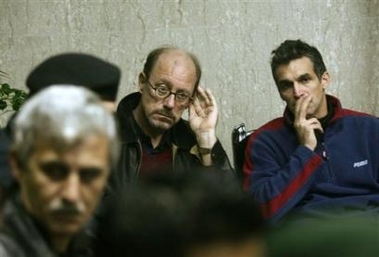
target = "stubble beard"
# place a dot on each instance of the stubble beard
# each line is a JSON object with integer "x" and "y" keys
{"x": 158, "y": 125}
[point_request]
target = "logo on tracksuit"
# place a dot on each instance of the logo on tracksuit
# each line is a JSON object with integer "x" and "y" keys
{"x": 360, "y": 164}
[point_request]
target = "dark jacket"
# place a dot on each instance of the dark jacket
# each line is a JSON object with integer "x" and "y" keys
{"x": 6, "y": 178}
{"x": 340, "y": 176}
{"x": 20, "y": 236}
{"x": 183, "y": 142}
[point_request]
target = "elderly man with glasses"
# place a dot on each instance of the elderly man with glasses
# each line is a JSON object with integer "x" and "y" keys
{"x": 154, "y": 136}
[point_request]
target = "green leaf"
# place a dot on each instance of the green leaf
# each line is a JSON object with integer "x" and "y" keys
{"x": 6, "y": 89}
{"x": 16, "y": 105}
{"x": 3, "y": 104}
{"x": 11, "y": 97}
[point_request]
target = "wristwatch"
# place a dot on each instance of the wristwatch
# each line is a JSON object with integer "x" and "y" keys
{"x": 203, "y": 150}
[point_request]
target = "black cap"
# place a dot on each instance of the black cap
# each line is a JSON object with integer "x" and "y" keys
{"x": 76, "y": 69}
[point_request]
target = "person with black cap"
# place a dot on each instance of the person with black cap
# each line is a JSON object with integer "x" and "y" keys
{"x": 78, "y": 69}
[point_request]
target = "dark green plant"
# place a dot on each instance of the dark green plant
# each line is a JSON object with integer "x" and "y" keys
{"x": 11, "y": 98}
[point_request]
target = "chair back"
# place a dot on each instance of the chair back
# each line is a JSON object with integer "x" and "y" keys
{"x": 239, "y": 140}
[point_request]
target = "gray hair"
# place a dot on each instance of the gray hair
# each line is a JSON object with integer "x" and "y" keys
{"x": 62, "y": 116}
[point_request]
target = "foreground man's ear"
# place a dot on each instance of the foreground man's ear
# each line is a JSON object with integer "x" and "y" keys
{"x": 15, "y": 164}
{"x": 141, "y": 81}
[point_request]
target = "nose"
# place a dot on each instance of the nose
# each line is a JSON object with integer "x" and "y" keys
{"x": 71, "y": 188}
{"x": 298, "y": 90}
{"x": 169, "y": 102}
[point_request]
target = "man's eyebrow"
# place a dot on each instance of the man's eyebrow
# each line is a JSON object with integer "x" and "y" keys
{"x": 304, "y": 76}
{"x": 169, "y": 85}
{"x": 284, "y": 81}
{"x": 52, "y": 161}
{"x": 163, "y": 81}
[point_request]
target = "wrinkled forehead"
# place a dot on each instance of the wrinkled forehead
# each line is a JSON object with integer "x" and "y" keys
{"x": 175, "y": 62}
{"x": 62, "y": 145}
{"x": 295, "y": 68}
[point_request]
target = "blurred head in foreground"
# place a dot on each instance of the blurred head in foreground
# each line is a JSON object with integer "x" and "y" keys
{"x": 197, "y": 215}
{"x": 63, "y": 148}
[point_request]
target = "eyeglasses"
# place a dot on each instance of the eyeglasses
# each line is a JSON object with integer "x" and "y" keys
{"x": 162, "y": 92}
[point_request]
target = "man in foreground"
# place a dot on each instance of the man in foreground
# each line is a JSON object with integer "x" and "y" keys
{"x": 318, "y": 159}
{"x": 64, "y": 145}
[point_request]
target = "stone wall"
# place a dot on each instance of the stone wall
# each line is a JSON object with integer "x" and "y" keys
{"x": 233, "y": 40}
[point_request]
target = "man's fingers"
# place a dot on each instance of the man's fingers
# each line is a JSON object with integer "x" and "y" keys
{"x": 309, "y": 125}
{"x": 211, "y": 101}
{"x": 200, "y": 97}
{"x": 305, "y": 130}
{"x": 206, "y": 97}
{"x": 191, "y": 110}
{"x": 315, "y": 124}
{"x": 197, "y": 107}
{"x": 298, "y": 105}
{"x": 302, "y": 106}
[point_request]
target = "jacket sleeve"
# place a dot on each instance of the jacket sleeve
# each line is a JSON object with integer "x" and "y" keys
{"x": 220, "y": 159}
{"x": 278, "y": 178}
{"x": 188, "y": 155}
{"x": 9, "y": 247}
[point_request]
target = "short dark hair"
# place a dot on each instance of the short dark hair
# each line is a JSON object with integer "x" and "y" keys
{"x": 167, "y": 214}
{"x": 153, "y": 56}
{"x": 290, "y": 50}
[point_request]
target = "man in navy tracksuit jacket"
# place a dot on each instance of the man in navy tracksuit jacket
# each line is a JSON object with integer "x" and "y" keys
{"x": 318, "y": 159}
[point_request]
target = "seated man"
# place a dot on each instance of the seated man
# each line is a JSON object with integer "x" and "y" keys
{"x": 154, "y": 136}
{"x": 64, "y": 144}
{"x": 318, "y": 159}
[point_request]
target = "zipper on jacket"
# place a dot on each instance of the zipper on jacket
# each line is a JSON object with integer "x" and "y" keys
{"x": 324, "y": 153}
{"x": 326, "y": 158}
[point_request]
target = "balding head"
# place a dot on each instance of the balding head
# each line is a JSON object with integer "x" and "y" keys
{"x": 154, "y": 55}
